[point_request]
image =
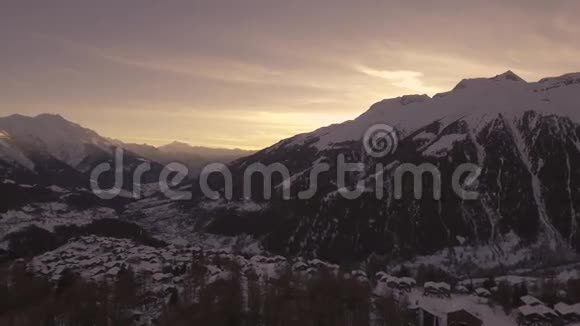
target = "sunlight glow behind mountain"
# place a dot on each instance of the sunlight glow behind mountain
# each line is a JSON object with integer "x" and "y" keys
{"x": 248, "y": 74}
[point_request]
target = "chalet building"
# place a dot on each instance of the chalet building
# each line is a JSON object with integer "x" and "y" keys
{"x": 403, "y": 283}
{"x": 358, "y": 273}
{"x": 536, "y": 315}
{"x": 461, "y": 290}
{"x": 569, "y": 314}
{"x": 300, "y": 267}
{"x": 529, "y": 300}
{"x": 428, "y": 316}
{"x": 528, "y": 315}
{"x": 483, "y": 293}
{"x": 433, "y": 289}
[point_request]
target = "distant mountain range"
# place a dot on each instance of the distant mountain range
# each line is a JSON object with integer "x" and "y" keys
{"x": 48, "y": 149}
{"x": 524, "y": 135}
{"x": 194, "y": 157}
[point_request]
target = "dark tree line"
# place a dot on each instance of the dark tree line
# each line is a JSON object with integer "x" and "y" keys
{"x": 324, "y": 299}
{"x": 237, "y": 297}
{"x": 29, "y": 300}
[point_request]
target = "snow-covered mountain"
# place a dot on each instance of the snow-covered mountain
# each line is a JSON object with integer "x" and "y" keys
{"x": 54, "y": 136}
{"x": 48, "y": 149}
{"x": 524, "y": 136}
{"x": 474, "y": 100}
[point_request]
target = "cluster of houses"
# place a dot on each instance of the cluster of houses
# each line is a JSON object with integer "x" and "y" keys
{"x": 100, "y": 258}
{"x": 398, "y": 283}
{"x": 430, "y": 289}
{"x": 432, "y": 306}
{"x": 534, "y": 312}
{"x": 103, "y": 258}
{"x": 431, "y": 311}
{"x": 311, "y": 267}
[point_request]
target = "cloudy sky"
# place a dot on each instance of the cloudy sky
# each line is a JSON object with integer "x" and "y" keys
{"x": 248, "y": 73}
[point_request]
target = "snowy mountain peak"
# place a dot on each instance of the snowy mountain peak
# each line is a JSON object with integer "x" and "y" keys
{"x": 176, "y": 146}
{"x": 475, "y": 100}
{"x": 19, "y": 124}
{"x": 52, "y": 117}
{"x": 53, "y": 134}
{"x": 508, "y": 75}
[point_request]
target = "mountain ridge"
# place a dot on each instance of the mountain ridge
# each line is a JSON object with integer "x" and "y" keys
{"x": 55, "y": 138}
{"x": 524, "y": 136}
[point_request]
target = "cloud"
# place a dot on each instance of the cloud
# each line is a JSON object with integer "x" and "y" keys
{"x": 212, "y": 67}
{"x": 252, "y": 72}
{"x": 401, "y": 78}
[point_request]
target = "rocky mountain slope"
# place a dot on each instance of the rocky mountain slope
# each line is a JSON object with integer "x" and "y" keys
{"x": 524, "y": 136}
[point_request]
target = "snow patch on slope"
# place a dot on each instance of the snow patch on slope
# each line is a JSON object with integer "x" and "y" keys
{"x": 62, "y": 139}
{"x": 440, "y": 147}
{"x": 11, "y": 154}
